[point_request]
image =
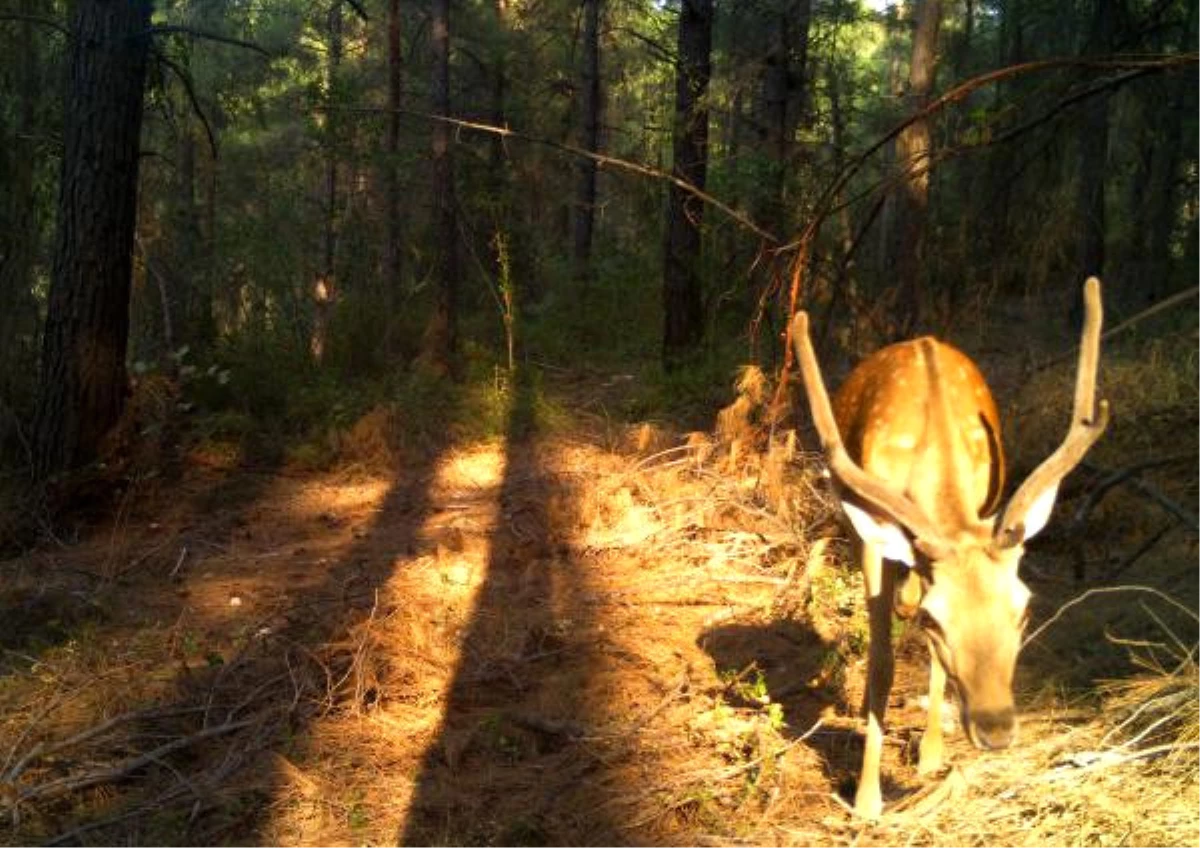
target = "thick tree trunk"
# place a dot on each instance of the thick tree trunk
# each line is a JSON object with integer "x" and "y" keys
{"x": 683, "y": 319}
{"x": 83, "y": 379}
{"x": 585, "y": 208}
{"x": 913, "y": 147}
{"x": 440, "y": 343}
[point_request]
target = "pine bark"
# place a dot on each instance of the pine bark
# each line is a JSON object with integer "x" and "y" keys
{"x": 913, "y": 148}
{"x": 393, "y": 256}
{"x": 83, "y": 377}
{"x": 683, "y": 319}
{"x": 20, "y": 219}
{"x": 585, "y": 208}
{"x": 440, "y": 343}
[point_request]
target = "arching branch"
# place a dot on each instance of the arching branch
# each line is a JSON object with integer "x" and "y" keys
{"x": 599, "y": 158}
{"x": 39, "y": 20}
{"x": 207, "y": 36}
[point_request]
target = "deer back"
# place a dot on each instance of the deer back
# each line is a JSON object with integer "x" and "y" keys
{"x": 919, "y": 416}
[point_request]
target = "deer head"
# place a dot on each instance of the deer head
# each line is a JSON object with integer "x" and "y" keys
{"x": 921, "y": 475}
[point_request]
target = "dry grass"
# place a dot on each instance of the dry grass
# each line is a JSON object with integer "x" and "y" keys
{"x": 547, "y": 641}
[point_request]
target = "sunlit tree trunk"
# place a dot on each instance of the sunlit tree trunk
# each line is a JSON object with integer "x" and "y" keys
{"x": 83, "y": 379}
{"x": 683, "y": 319}
{"x": 440, "y": 343}
{"x": 913, "y": 147}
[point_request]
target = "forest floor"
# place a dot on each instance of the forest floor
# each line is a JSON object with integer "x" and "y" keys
{"x": 595, "y": 633}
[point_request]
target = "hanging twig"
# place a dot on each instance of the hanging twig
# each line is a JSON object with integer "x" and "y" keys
{"x": 207, "y": 36}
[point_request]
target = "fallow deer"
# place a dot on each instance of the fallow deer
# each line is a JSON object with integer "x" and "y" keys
{"x": 913, "y": 443}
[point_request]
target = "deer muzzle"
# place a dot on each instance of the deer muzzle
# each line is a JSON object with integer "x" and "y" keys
{"x": 992, "y": 729}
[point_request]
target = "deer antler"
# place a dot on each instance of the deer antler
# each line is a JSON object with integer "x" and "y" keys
{"x": 1088, "y": 421}
{"x": 849, "y": 472}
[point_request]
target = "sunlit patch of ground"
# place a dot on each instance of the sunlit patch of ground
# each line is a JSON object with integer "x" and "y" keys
{"x": 542, "y": 642}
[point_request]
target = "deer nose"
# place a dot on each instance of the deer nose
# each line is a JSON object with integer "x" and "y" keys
{"x": 994, "y": 728}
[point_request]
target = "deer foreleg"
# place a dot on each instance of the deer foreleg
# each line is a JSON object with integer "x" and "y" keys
{"x": 879, "y": 581}
{"x": 931, "y": 741}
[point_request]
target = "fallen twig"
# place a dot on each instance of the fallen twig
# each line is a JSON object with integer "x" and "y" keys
{"x": 66, "y": 785}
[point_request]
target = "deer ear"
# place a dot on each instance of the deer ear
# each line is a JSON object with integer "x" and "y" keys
{"x": 1039, "y": 512}
{"x": 890, "y": 539}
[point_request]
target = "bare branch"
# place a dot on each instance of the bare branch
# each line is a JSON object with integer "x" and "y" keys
{"x": 602, "y": 160}
{"x": 207, "y": 36}
{"x": 1106, "y": 590}
{"x": 827, "y": 200}
{"x": 39, "y": 20}
{"x": 64, "y": 785}
{"x": 186, "y": 80}
{"x": 359, "y": 10}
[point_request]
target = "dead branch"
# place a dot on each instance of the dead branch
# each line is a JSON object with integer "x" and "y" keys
{"x": 546, "y": 726}
{"x": 39, "y": 20}
{"x": 821, "y": 210}
{"x": 1129, "y": 475}
{"x": 1142, "y": 549}
{"x": 66, "y": 785}
{"x": 600, "y": 159}
{"x": 1150, "y": 311}
{"x": 1185, "y": 517}
{"x": 206, "y": 36}
{"x": 1106, "y": 590}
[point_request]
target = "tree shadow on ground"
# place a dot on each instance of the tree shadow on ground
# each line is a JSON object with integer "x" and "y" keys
{"x": 797, "y": 668}
{"x": 52, "y": 593}
{"x": 229, "y": 720}
{"x": 511, "y": 763}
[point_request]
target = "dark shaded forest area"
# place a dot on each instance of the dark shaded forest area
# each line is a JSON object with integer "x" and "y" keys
{"x": 400, "y": 439}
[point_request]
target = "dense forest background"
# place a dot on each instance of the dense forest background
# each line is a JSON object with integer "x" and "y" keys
{"x": 399, "y": 443}
{"x": 340, "y": 202}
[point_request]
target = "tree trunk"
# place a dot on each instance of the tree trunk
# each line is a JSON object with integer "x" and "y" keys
{"x": 585, "y": 209}
{"x": 393, "y": 256}
{"x": 193, "y": 298}
{"x": 83, "y": 379}
{"x": 784, "y": 93}
{"x": 440, "y": 343}
{"x": 683, "y": 320}
{"x": 20, "y": 222}
{"x": 913, "y": 147}
{"x": 1161, "y": 193}
{"x": 1093, "y": 158}
{"x": 325, "y": 289}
